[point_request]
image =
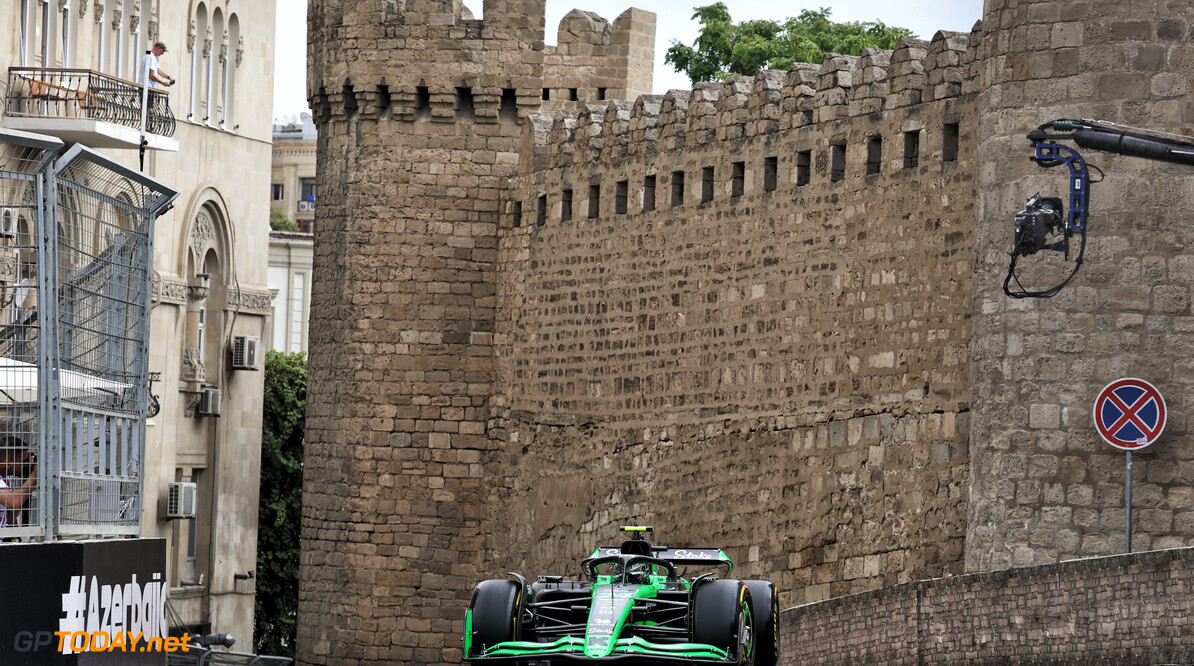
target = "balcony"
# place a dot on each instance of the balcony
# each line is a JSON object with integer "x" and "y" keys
{"x": 87, "y": 107}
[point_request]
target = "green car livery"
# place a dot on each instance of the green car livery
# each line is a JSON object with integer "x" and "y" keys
{"x": 634, "y": 604}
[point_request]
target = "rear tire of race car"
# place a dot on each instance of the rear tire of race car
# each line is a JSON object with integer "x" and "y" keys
{"x": 495, "y": 607}
{"x": 721, "y": 612}
{"x": 765, "y": 601}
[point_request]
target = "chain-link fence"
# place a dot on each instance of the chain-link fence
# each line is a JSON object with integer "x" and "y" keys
{"x": 74, "y": 366}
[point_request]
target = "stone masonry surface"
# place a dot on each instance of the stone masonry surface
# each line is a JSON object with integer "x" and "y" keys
{"x": 764, "y": 314}
{"x": 1130, "y": 609}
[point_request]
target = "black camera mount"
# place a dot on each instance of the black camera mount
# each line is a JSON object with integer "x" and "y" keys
{"x": 1043, "y": 224}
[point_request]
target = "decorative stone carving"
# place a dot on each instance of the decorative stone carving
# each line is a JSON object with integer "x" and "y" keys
{"x": 153, "y": 24}
{"x": 191, "y": 36}
{"x": 224, "y": 48}
{"x": 82, "y": 8}
{"x": 250, "y": 302}
{"x": 198, "y": 292}
{"x": 99, "y": 12}
{"x": 201, "y": 232}
{"x": 169, "y": 291}
{"x": 192, "y": 366}
{"x": 240, "y": 50}
{"x": 117, "y": 17}
{"x": 135, "y": 19}
{"x": 207, "y": 43}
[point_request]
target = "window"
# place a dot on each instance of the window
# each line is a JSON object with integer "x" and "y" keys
{"x": 541, "y": 213}
{"x": 707, "y": 184}
{"x": 306, "y": 195}
{"x": 649, "y": 192}
{"x": 620, "y": 197}
{"x": 912, "y": 149}
{"x": 737, "y": 179}
{"x": 601, "y": 93}
{"x": 546, "y": 94}
{"x": 804, "y": 161}
{"x": 278, "y": 192}
{"x": 566, "y": 206}
{"x": 837, "y": 162}
{"x": 677, "y": 188}
{"x": 464, "y": 104}
{"x": 517, "y": 213}
{"x": 572, "y": 94}
{"x": 422, "y": 103}
{"x": 770, "y": 173}
{"x": 949, "y": 143}
{"x": 874, "y": 155}
{"x": 594, "y": 201}
{"x": 508, "y": 113}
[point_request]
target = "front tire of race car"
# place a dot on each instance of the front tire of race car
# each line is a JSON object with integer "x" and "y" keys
{"x": 722, "y": 617}
{"x": 765, "y": 602}
{"x": 495, "y": 608}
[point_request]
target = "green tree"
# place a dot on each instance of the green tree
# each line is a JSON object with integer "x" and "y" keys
{"x": 279, "y": 222}
{"x": 280, "y": 506}
{"x": 724, "y": 48}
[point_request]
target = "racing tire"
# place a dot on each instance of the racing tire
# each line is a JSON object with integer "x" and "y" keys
{"x": 495, "y": 607}
{"x": 722, "y": 617}
{"x": 765, "y": 601}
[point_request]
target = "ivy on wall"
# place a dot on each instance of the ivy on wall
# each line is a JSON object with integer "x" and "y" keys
{"x": 280, "y": 509}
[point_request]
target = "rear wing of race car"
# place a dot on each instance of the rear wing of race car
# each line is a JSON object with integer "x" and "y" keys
{"x": 709, "y": 557}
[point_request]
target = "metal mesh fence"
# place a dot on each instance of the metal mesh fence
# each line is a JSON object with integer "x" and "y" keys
{"x": 25, "y": 164}
{"x": 75, "y": 280}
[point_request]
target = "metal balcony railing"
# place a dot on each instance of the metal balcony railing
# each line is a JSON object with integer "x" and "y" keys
{"x": 37, "y": 92}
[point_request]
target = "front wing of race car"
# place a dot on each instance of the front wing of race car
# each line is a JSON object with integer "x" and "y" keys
{"x": 624, "y": 648}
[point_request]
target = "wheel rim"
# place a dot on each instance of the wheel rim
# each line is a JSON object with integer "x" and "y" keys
{"x": 746, "y": 638}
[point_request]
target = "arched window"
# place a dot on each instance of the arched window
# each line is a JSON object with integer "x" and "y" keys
{"x": 68, "y": 51}
{"x": 101, "y": 40}
{"x": 118, "y": 45}
{"x": 47, "y": 32}
{"x": 212, "y": 113}
{"x": 235, "y": 54}
{"x": 199, "y": 44}
{"x": 24, "y": 55}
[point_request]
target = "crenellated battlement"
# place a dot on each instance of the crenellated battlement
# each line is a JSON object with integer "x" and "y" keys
{"x": 433, "y": 61}
{"x": 841, "y": 88}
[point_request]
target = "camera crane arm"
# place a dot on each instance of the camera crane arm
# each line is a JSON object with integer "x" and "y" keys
{"x": 1043, "y": 216}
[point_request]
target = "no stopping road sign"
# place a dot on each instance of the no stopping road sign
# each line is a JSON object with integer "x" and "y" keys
{"x": 1129, "y": 413}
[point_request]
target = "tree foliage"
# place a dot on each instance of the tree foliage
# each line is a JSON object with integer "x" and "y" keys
{"x": 724, "y": 48}
{"x": 279, "y": 222}
{"x": 280, "y": 506}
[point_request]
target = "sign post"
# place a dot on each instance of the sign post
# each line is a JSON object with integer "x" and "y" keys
{"x": 1129, "y": 414}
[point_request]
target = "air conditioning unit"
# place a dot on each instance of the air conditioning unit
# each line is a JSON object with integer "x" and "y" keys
{"x": 8, "y": 222}
{"x": 209, "y": 402}
{"x": 182, "y": 500}
{"x": 244, "y": 352}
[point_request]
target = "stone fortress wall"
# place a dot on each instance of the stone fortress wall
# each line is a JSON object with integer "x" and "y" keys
{"x": 763, "y": 314}
{"x": 763, "y": 330}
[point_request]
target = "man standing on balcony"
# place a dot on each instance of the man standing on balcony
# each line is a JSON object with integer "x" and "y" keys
{"x": 150, "y": 63}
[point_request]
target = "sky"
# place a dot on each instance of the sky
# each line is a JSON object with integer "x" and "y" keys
{"x": 673, "y": 21}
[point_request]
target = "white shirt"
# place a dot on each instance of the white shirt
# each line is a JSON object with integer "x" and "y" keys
{"x": 151, "y": 63}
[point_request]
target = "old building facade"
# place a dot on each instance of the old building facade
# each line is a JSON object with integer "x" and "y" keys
{"x": 765, "y": 313}
{"x": 210, "y": 250}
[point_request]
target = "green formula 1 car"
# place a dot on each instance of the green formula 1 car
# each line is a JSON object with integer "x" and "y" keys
{"x": 636, "y": 604}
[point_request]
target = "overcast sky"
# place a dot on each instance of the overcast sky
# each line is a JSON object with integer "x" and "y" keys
{"x": 673, "y": 21}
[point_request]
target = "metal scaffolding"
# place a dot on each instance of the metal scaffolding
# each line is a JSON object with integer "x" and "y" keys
{"x": 73, "y": 364}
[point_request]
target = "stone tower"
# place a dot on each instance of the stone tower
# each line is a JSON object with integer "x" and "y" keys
{"x": 420, "y": 110}
{"x": 1044, "y": 486}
